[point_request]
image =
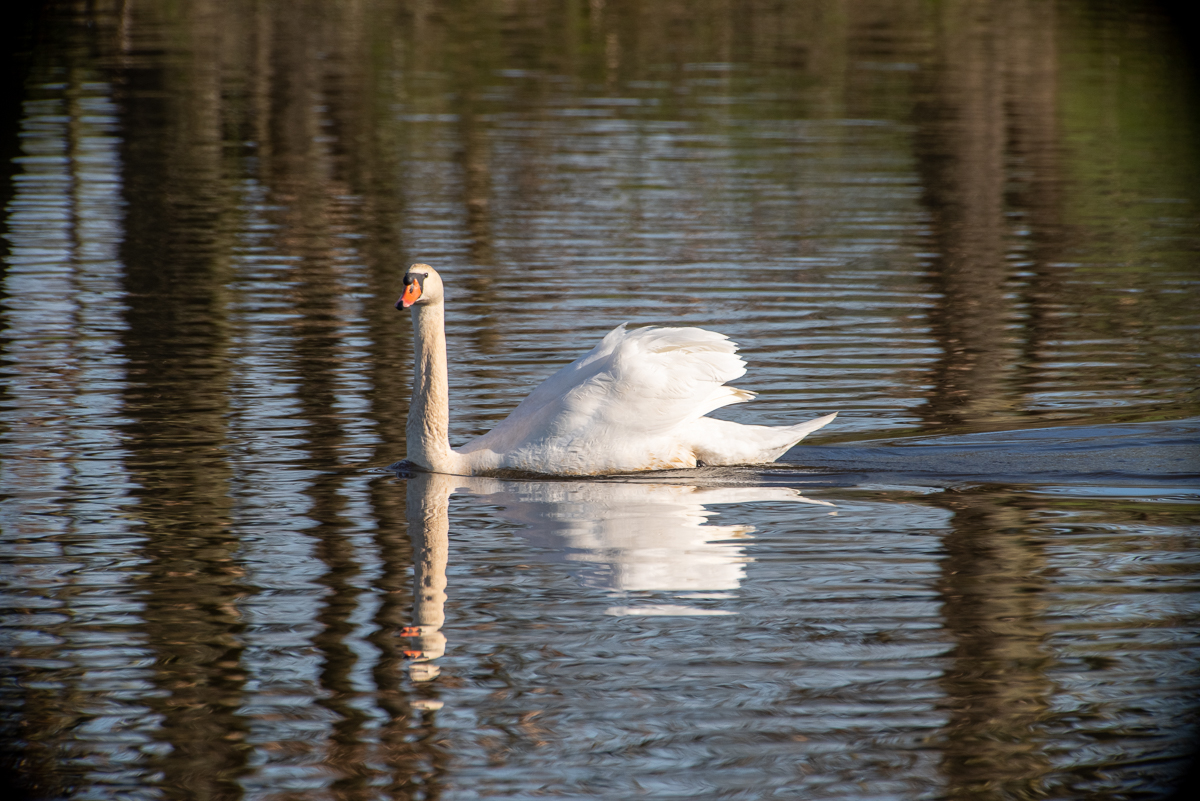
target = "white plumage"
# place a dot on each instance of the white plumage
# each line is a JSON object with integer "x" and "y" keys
{"x": 635, "y": 402}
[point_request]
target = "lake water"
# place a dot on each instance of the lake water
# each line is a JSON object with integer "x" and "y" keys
{"x": 971, "y": 228}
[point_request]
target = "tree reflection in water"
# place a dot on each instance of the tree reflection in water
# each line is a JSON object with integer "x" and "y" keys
{"x": 957, "y": 217}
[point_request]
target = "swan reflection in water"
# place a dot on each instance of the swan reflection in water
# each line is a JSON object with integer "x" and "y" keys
{"x": 631, "y": 537}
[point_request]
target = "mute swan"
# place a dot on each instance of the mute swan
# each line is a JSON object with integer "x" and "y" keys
{"x": 635, "y": 402}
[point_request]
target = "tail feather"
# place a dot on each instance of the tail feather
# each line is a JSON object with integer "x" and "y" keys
{"x": 721, "y": 442}
{"x": 802, "y": 430}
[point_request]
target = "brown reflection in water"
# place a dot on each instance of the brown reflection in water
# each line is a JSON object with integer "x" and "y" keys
{"x": 473, "y": 69}
{"x": 990, "y": 154}
{"x": 472, "y": 60}
{"x": 987, "y": 107}
{"x": 298, "y": 109}
{"x": 310, "y": 99}
{"x": 46, "y": 753}
{"x": 996, "y": 687}
{"x": 961, "y": 124}
{"x": 347, "y": 752}
{"x": 323, "y": 192}
{"x": 176, "y": 345}
{"x": 312, "y": 121}
{"x": 1036, "y": 185}
{"x": 466, "y": 43}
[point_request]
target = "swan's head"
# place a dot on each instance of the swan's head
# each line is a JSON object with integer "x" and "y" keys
{"x": 422, "y": 285}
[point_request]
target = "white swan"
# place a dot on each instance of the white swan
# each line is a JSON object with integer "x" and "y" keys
{"x": 635, "y": 402}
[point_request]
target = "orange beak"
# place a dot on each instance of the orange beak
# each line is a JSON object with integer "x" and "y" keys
{"x": 412, "y": 293}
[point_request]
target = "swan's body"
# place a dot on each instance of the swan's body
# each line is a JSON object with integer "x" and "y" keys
{"x": 635, "y": 402}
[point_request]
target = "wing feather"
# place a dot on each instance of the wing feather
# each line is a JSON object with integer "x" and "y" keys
{"x": 638, "y": 383}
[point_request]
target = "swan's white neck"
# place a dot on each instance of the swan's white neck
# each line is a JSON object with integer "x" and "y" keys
{"x": 428, "y": 427}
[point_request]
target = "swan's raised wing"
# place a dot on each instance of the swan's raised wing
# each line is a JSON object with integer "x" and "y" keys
{"x": 633, "y": 386}
{"x": 658, "y": 379}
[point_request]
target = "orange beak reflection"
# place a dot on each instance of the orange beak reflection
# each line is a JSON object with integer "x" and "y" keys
{"x": 412, "y": 293}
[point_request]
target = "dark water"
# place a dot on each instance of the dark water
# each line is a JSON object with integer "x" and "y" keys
{"x": 971, "y": 228}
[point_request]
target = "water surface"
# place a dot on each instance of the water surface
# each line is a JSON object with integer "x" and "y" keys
{"x": 970, "y": 228}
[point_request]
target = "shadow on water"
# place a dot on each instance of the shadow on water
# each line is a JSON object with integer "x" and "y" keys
{"x": 1152, "y": 456}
